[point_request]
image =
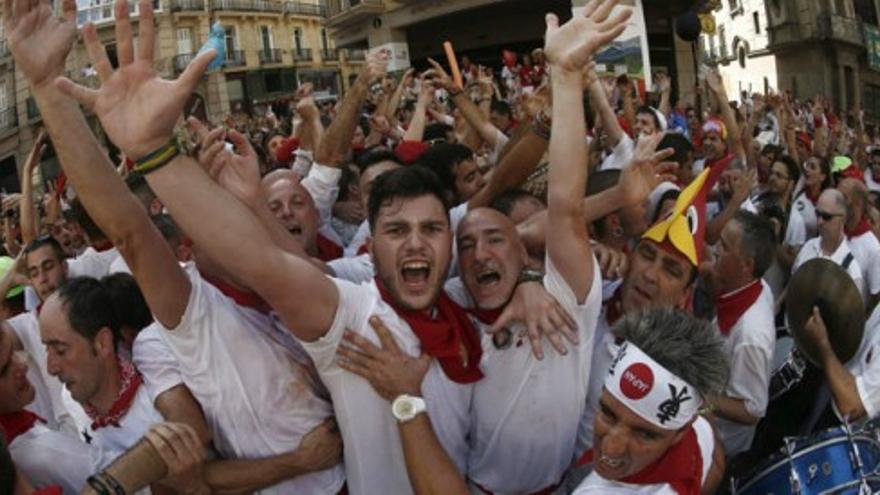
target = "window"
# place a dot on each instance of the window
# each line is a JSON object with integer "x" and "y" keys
{"x": 872, "y": 101}
{"x": 757, "y": 20}
{"x": 741, "y": 55}
{"x": 266, "y": 37}
{"x": 722, "y": 41}
{"x": 184, "y": 41}
{"x": 4, "y": 97}
{"x": 324, "y": 42}
{"x": 297, "y": 39}
{"x": 865, "y": 11}
{"x": 231, "y": 40}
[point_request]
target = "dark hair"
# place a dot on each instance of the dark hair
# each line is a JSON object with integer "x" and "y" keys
{"x": 94, "y": 233}
{"x": 348, "y": 177}
{"x": 758, "y": 240}
{"x": 680, "y": 144}
{"x": 128, "y": 301}
{"x": 825, "y": 167}
{"x": 43, "y": 241}
{"x": 772, "y": 149}
{"x": 7, "y": 468}
{"x": 442, "y": 159}
{"x": 436, "y": 131}
{"x": 405, "y": 182}
{"x": 500, "y": 107}
{"x": 791, "y": 166}
{"x": 650, "y": 111}
{"x": 138, "y": 185}
{"x": 506, "y": 201}
{"x": 90, "y": 307}
{"x": 666, "y": 196}
{"x": 374, "y": 156}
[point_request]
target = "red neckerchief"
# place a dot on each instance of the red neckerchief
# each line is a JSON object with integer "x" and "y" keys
{"x": 363, "y": 249}
{"x": 812, "y": 197}
{"x": 614, "y": 307}
{"x": 863, "y": 227}
{"x": 241, "y": 297}
{"x": 49, "y": 490}
{"x": 731, "y": 306}
{"x": 410, "y": 151}
{"x": 681, "y": 466}
{"x": 18, "y": 423}
{"x": 102, "y": 246}
{"x": 327, "y": 249}
{"x": 130, "y": 383}
{"x": 486, "y": 316}
{"x": 451, "y": 338}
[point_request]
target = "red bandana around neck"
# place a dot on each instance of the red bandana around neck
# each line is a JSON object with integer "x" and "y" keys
{"x": 363, "y": 249}
{"x": 327, "y": 249}
{"x": 486, "y": 316}
{"x": 731, "y": 306}
{"x": 241, "y": 297}
{"x": 681, "y": 466}
{"x": 451, "y": 338}
{"x": 18, "y": 423}
{"x": 861, "y": 228}
{"x": 130, "y": 382}
{"x": 103, "y": 246}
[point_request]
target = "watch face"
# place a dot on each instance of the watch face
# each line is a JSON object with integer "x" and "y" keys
{"x": 403, "y": 409}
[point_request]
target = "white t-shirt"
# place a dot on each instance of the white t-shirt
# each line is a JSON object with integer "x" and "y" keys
{"x": 596, "y": 484}
{"x": 807, "y": 209}
{"x": 796, "y": 230}
{"x": 355, "y": 269}
{"x": 866, "y": 249}
{"x": 501, "y": 141}
{"x": 526, "y": 412}
{"x": 374, "y": 461}
{"x": 92, "y": 263}
{"x": 256, "y": 386}
{"x": 870, "y": 181}
{"x": 359, "y": 239}
{"x": 621, "y": 155}
{"x": 152, "y": 356}
{"x": 47, "y": 403}
{"x": 47, "y": 457}
{"x": 865, "y": 366}
{"x": 749, "y": 346}
{"x": 113, "y": 440}
{"x": 813, "y": 249}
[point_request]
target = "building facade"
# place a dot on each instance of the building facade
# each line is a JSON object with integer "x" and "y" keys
{"x": 271, "y": 47}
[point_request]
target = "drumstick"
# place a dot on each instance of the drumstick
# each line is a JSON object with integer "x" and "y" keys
{"x": 453, "y": 64}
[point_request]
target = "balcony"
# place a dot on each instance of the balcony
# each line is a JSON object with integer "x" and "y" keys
{"x": 4, "y": 49}
{"x": 302, "y": 55}
{"x": 187, "y": 5}
{"x": 299, "y": 8}
{"x": 347, "y": 12}
{"x": 838, "y": 28}
{"x": 268, "y": 6}
{"x": 180, "y": 62}
{"x": 235, "y": 58}
{"x": 272, "y": 56}
{"x": 330, "y": 54}
{"x": 355, "y": 55}
{"x": 8, "y": 119}
{"x": 103, "y": 13}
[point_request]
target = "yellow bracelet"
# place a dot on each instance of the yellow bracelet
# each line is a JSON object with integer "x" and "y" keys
{"x": 157, "y": 159}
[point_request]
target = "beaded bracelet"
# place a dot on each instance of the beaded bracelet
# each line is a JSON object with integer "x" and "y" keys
{"x": 114, "y": 485}
{"x": 98, "y": 485}
{"x": 157, "y": 159}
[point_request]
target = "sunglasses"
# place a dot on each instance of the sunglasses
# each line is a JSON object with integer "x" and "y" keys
{"x": 825, "y": 216}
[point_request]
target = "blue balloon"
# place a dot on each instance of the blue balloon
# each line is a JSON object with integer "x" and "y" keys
{"x": 216, "y": 40}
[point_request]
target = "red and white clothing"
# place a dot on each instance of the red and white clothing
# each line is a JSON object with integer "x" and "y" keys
{"x": 48, "y": 402}
{"x": 746, "y": 320}
{"x": 256, "y": 386}
{"x": 525, "y": 411}
{"x": 374, "y": 461}
{"x": 48, "y": 457}
{"x": 813, "y": 249}
{"x": 866, "y": 249}
{"x": 596, "y": 484}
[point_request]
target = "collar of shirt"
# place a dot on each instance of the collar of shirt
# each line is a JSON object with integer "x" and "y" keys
{"x": 732, "y": 305}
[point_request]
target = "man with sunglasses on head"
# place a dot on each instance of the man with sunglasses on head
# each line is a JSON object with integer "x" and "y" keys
{"x": 831, "y": 243}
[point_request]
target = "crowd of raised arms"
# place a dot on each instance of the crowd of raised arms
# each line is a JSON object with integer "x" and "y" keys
{"x": 533, "y": 280}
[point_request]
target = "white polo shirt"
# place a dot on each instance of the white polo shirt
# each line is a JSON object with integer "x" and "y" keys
{"x": 807, "y": 210}
{"x": 374, "y": 461}
{"x": 813, "y": 249}
{"x": 526, "y": 412}
{"x": 596, "y": 484}
{"x": 48, "y": 402}
{"x": 749, "y": 346}
{"x": 258, "y": 390}
{"x": 47, "y": 457}
{"x": 866, "y": 249}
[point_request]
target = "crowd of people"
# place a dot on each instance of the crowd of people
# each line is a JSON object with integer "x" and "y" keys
{"x": 536, "y": 280}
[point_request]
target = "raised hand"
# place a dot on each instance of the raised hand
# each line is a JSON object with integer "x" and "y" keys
{"x": 39, "y": 41}
{"x": 713, "y": 79}
{"x": 377, "y": 65}
{"x": 570, "y": 46}
{"x": 239, "y": 172}
{"x": 542, "y": 314}
{"x": 137, "y": 109}
{"x": 646, "y": 170}
{"x": 321, "y": 448}
{"x": 439, "y": 75}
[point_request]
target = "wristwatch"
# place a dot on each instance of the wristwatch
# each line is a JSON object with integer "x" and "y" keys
{"x": 530, "y": 275}
{"x": 406, "y": 407}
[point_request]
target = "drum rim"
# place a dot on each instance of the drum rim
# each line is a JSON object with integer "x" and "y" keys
{"x": 824, "y": 443}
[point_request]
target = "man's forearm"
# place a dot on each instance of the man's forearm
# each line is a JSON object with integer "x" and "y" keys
{"x": 137, "y": 468}
{"x": 336, "y": 142}
{"x": 599, "y": 102}
{"x": 416, "y": 129}
{"x": 843, "y": 385}
{"x": 29, "y": 219}
{"x": 226, "y": 477}
{"x": 513, "y": 170}
{"x": 431, "y": 471}
{"x": 733, "y": 410}
{"x": 475, "y": 119}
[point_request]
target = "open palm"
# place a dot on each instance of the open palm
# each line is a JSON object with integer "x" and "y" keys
{"x": 137, "y": 109}
{"x": 39, "y": 41}
{"x": 571, "y": 45}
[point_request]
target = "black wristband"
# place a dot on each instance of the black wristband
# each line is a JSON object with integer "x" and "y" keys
{"x": 157, "y": 159}
{"x": 114, "y": 485}
{"x": 98, "y": 485}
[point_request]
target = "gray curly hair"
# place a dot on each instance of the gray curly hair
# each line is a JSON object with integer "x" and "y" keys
{"x": 688, "y": 347}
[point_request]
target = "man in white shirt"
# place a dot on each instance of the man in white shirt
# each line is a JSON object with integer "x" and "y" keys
{"x": 862, "y": 242}
{"x": 831, "y": 242}
{"x": 745, "y": 316}
{"x": 649, "y": 436}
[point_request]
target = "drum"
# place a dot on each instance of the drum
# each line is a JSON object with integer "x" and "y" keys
{"x": 788, "y": 367}
{"x": 838, "y": 460}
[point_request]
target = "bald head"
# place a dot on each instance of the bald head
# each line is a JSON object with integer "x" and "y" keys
{"x": 855, "y": 193}
{"x": 832, "y": 201}
{"x": 487, "y": 218}
{"x": 292, "y": 205}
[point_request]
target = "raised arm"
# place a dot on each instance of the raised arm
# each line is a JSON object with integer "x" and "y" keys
{"x": 733, "y": 130}
{"x": 471, "y": 112}
{"x": 138, "y": 111}
{"x": 416, "y": 129}
{"x": 30, "y": 221}
{"x": 394, "y": 101}
{"x": 336, "y": 143}
{"x": 607, "y": 117}
{"x": 568, "y": 49}
{"x": 40, "y": 49}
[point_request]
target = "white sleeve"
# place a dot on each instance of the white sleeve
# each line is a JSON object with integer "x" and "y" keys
{"x": 621, "y": 156}
{"x": 750, "y": 377}
{"x": 50, "y": 458}
{"x": 501, "y": 141}
{"x": 31, "y": 299}
{"x": 92, "y": 263}
{"x": 354, "y": 308}
{"x": 796, "y": 232}
{"x": 154, "y": 359}
{"x": 302, "y": 162}
{"x": 355, "y": 269}
{"x": 322, "y": 183}
{"x": 586, "y": 314}
{"x": 193, "y": 335}
{"x": 359, "y": 239}
{"x": 872, "y": 271}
